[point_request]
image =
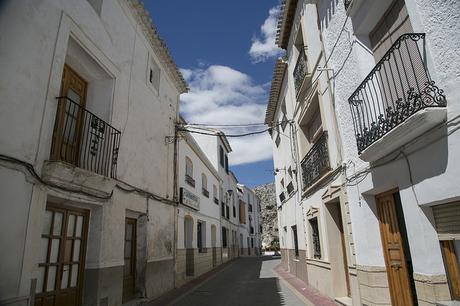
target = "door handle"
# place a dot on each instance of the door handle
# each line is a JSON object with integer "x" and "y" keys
{"x": 395, "y": 265}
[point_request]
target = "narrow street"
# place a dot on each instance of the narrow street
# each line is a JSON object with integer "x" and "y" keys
{"x": 246, "y": 281}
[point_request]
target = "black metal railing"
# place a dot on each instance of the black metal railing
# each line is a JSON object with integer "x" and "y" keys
{"x": 216, "y": 201}
{"x": 347, "y": 3}
{"x": 282, "y": 197}
{"x": 205, "y": 192}
{"x": 398, "y": 86}
{"x": 316, "y": 163}
{"x": 84, "y": 140}
{"x": 300, "y": 71}
{"x": 189, "y": 180}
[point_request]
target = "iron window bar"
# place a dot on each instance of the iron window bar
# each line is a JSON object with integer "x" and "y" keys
{"x": 316, "y": 162}
{"x": 300, "y": 72}
{"x": 189, "y": 180}
{"x": 85, "y": 140}
{"x": 397, "y": 87}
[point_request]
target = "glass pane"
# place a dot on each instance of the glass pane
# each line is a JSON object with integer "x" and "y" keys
{"x": 128, "y": 249}
{"x": 47, "y": 222}
{"x": 40, "y": 279}
{"x": 57, "y": 223}
{"x": 70, "y": 225}
{"x": 79, "y": 230}
{"x": 69, "y": 128}
{"x": 54, "y": 250}
{"x": 65, "y": 276}
{"x": 51, "y": 278}
{"x": 76, "y": 250}
{"x": 129, "y": 231}
{"x": 68, "y": 250}
{"x": 75, "y": 97}
{"x": 43, "y": 250}
{"x": 73, "y": 278}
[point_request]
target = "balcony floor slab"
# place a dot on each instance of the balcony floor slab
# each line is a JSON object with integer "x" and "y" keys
{"x": 414, "y": 126}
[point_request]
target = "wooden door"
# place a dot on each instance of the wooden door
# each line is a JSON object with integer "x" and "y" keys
{"x": 129, "y": 270}
{"x": 213, "y": 244}
{"x": 393, "y": 249}
{"x": 69, "y": 117}
{"x": 451, "y": 261}
{"x": 62, "y": 256}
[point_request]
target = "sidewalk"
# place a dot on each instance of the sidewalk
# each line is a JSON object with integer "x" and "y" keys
{"x": 311, "y": 294}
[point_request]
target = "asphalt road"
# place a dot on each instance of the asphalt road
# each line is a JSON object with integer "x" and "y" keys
{"x": 247, "y": 281}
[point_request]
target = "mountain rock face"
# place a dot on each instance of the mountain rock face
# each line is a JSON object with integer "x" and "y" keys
{"x": 267, "y": 196}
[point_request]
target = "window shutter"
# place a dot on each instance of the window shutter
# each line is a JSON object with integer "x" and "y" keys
{"x": 447, "y": 219}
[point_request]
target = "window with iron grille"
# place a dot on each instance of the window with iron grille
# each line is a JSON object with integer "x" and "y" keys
{"x": 221, "y": 157}
{"x": 296, "y": 242}
{"x": 315, "y": 238}
{"x": 290, "y": 188}
{"x": 224, "y": 237}
{"x": 282, "y": 197}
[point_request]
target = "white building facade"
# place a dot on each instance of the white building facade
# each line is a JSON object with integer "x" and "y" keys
{"x": 199, "y": 246}
{"x": 87, "y": 178}
{"x": 382, "y": 75}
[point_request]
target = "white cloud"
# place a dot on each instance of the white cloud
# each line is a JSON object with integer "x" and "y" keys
{"x": 222, "y": 95}
{"x": 264, "y": 47}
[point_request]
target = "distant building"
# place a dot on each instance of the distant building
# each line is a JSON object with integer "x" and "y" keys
{"x": 365, "y": 139}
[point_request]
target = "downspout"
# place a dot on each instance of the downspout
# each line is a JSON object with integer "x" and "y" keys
{"x": 175, "y": 191}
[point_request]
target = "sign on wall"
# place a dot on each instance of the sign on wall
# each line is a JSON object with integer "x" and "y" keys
{"x": 189, "y": 199}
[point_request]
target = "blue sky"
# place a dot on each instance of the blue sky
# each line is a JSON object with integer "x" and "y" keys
{"x": 226, "y": 52}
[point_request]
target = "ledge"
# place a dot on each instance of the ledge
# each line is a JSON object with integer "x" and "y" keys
{"x": 67, "y": 175}
{"x": 412, "y": 127}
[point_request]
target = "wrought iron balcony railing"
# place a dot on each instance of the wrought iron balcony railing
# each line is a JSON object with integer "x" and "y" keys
{"x": 205, "y": 192}
{"x": 300, "y": 72}
{"x": 189, "y": 180}
{"x": 399, "y": 86}
{"x": 83, "y": 139}
{"x": 316, "y": 163}
{"x": 216, "y": 201}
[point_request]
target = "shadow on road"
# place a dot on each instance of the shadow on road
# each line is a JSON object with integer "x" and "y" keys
{"x": 248, "y": 281}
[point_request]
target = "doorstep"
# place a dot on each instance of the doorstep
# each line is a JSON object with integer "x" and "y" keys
{"x": 311, "y": 294}
{"x": 344, "y": 300}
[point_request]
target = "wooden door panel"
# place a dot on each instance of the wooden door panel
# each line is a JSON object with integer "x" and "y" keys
{"x": 62, "y": 261}
{"x": 452, "y": 267}
{"x": 393, "y": 249}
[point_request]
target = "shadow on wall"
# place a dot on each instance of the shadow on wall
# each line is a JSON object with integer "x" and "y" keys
{"x": 326, "y": 10}
{"x": 252, "y": 282}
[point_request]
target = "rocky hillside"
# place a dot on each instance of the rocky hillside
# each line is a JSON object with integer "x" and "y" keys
{"x": 267, "y": 195}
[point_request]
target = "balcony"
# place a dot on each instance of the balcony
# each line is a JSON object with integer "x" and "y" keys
{"x": 216, "y": 201}
{"x": 397, "y": 101}
{"x": 205, "y": 192}
{"x": 316, "y": 163}
{"x": 301, "y": 75}
{"x": 84, "y": 140}
{"x": 189, "y": 180}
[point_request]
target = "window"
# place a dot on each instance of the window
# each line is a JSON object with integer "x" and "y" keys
{"x": 234, "y": 211}
{"x": 222, "y": 212}
{"x": 250, "y": 208}
{"x": 311, "y": 125}
{"x": 296, "y": 242}
{"x": 282, "y": 182}
{"x": 315, "y": 237}
{"x": 227, "y": 212}
{"x": 277, "y": 140}
{"x": 221, "y": 157}
{"x": 153, "y": 76}
{"x": 204, "y": 185}
{"x": 189, "y": 172}
{"x": 226, "y": 163}
{"x": 252, "y": 242}
{"x": 201, "y": 236}
{"x": 224, "y": 237}
{"x": 242, "y": 212}
{"x": 290, "y": 188}
{"x": 214, "y": 194}
{"x": 282, "y": 197}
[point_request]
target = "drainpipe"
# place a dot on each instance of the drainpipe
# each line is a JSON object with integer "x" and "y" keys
{"x": 175, "y": 191}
